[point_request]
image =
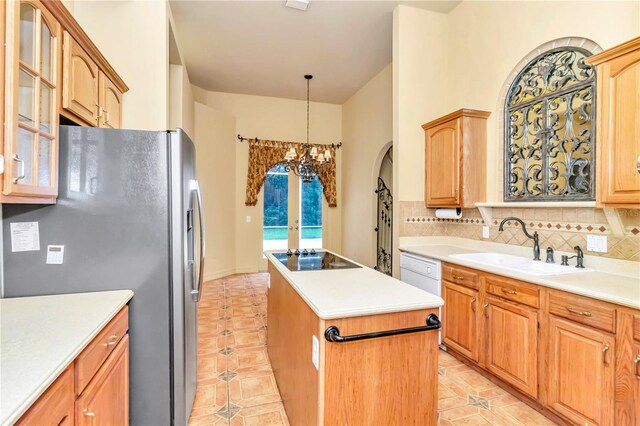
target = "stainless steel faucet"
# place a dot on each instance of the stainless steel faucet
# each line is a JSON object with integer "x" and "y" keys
{"x": 534, "y": 237}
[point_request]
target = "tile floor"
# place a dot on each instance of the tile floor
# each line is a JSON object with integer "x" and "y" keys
{"x": 236, "y": 385}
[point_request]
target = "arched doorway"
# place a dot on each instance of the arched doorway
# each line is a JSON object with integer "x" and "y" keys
{"x": 384, "y": 225}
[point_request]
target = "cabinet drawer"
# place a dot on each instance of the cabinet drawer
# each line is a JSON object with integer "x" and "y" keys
{"x": 460, "y": 276}
{"x": 513, "y": 290}
{"x": 583, "y": 310}
{"x": 99, "y": 349}
{"x": 55, "y": 405}
{"x": 636, "y": 327}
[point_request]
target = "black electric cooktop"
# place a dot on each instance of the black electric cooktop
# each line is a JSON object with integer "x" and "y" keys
{"x": 306, "y": 260}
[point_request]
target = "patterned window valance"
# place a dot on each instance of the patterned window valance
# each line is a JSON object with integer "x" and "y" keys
{"x": 264, "y": 154}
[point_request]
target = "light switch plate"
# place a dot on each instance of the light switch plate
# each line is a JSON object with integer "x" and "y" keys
{"x": 315, "y": 351}
{"x": 248, "y": 219}
{"x": 485, "y": 232}
{"x": 55, "y": 255}
{"x": 597, "y": 243}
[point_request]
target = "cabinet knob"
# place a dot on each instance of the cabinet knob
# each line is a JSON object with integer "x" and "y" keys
{"x": 88, "y": 413}
{"x": 636, "y": 362}
{"x": 113, "y": 340}
{"x": 100, "y": 111}
{"x": 638, "y": 164}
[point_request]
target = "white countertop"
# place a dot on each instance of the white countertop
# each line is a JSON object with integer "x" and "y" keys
{"x": 40, "y": 336}
{"x": 614, "y": 288}
{"x": 344, "y": 293}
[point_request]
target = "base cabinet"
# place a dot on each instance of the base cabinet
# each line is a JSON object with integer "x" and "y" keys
{"x": 105, "y": 401}
{"x": 581, "y": 373}
{"x": 574, "y": 358}
{"x": 511, "y": 334}
{"x": 94, "y": 389}
{"x": 460, "y": 327}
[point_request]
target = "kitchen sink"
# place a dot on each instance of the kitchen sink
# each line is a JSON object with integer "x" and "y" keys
{"x": 520, "y": 264}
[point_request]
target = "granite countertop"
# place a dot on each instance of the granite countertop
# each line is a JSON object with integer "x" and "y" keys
{"x": 622, "y": 289}
{"x": 344, "y": 293}
{"x": 40, "y": 336}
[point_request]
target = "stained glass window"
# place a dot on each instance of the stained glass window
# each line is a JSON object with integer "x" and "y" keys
{"x": 549, "y": 129}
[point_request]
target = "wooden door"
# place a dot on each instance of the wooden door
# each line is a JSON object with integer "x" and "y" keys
{"x": 31, "y": 118}
{"x": 80, "y": 82}
{"x": 442, "y": 165}
{"x": 105, "y": 401}
{"x": 110, "y": 99}
{"x": 618, "y": 136}
{"x": 460, "y": 320}
{"x": 512, "y": 344}
{"x": 581, "y": 373}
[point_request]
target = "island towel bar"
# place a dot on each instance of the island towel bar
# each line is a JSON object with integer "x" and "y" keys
{"x": 332, "y": 334}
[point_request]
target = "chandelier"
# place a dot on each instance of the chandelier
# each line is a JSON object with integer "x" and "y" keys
{"x": 307, "y": 164}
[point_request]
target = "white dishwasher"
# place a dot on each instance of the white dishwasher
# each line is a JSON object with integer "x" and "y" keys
{"x": 424, "y": 273}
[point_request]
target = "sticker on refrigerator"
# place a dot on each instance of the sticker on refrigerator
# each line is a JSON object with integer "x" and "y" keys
{"x": 25, "y": 236}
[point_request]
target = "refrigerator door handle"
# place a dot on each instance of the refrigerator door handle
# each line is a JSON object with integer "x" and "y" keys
{"x": 197, "y": 292}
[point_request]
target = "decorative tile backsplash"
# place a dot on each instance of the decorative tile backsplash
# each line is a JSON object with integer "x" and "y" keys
{"x": 560, "y": 228}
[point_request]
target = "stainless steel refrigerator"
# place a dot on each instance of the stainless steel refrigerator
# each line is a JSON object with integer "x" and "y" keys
{"x": 128, "y": 212}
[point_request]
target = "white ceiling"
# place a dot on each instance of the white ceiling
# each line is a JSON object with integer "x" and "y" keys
{"x": 263, "y": 48}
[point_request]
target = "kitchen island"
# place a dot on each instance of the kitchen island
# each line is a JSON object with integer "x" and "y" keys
{"x": 350, "y": 345}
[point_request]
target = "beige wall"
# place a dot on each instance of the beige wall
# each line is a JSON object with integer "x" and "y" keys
{"x": 181, "y": 104}
{"x": 471, "y": 54}
{"x": 276, "y": 119}
{"x": 487, "y": 40}
{"x": 367, "y": 132}
{"x": 215, "y": 170}
{"x": 133, "y": 36}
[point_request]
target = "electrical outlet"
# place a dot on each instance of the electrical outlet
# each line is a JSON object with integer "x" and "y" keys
{"x": 248, "y": 219}
{"x": 597, "y": 243}
{"x": 315, "y": 351}
{"x": 485, "y": 232}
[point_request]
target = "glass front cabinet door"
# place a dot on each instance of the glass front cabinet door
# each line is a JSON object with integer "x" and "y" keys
{"x": 31, "y": 115}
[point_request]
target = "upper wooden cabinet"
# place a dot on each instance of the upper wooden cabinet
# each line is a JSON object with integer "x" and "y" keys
{"x": 31, "y": 83}
{"x": 455, "y": 159}
{"x": 618, "y": 121}
{"x": 80, "y": 88}
{"x": 88, "y": 93}
{"x": 32, "y": 67}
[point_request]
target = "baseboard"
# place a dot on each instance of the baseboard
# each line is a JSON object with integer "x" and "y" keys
{"x": 226, "y": 272}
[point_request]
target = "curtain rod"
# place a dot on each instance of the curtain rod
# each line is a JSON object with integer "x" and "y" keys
{"x": 333, "y": 145}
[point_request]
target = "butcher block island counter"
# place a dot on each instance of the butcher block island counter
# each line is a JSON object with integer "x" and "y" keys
{"x": 350, "y": 345}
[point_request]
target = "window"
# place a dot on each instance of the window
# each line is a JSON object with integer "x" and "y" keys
{"x": 549, "y": 129}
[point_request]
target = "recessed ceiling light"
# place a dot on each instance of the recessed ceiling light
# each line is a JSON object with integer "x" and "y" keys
{"x": 297, "y": 4}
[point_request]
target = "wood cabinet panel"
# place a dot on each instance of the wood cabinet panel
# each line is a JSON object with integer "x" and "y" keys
{"x": 105, "y": 401}
{"x": 55, "y": 406}
{"x": 618, "y": 121}
{"x": 461, "y": 276}
{"x": 513, "y": 290}
{"x": 511, "y": 334}
{"x": 581, "y": 373}
{"x": 460, "y": 319}
{"x": 291, "y": 325}
{"x": 636, "y": 327}
{"x": 80, "y": 82}
{"x": 401, "y": 380}
{"x": 583, "y": 310}
{"x": 110, "y": 99}
{"x": 443, "y": 165}
{"x": 636, "y": 370}
{"x": 92, "y": 357}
